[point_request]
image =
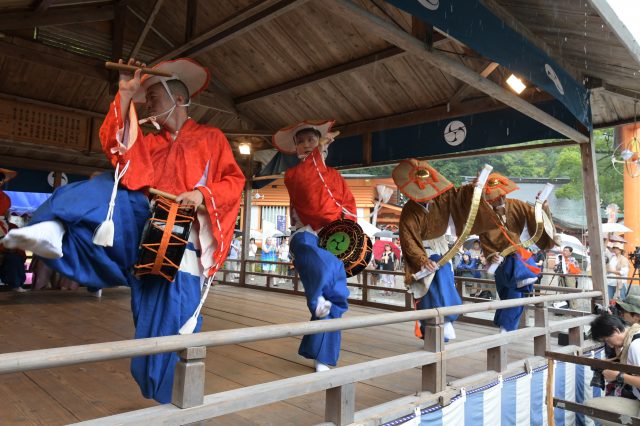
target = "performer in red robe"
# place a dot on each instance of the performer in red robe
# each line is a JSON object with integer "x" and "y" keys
{"x": 190, "y": 160}
{"x": 319, "y": 195}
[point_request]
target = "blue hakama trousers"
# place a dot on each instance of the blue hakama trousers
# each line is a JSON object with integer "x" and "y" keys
{"x": 159, "y": 307}
{"x": 322, "y": 274}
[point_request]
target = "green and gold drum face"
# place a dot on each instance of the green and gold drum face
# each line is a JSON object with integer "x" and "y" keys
{"x": 345, "y": 239}
{"x": 338, "y": 243}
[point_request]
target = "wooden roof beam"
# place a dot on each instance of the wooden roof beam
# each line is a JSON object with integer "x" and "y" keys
{"x": 236, "y": 25}
{"x": 57, "y": 16}
{"x": 340, "y": 69}
{"x": 192, "y": 19}
{"x": 353, "y": 14}
{"x": 462, "y": 91}
{"x": 145, "y": 30}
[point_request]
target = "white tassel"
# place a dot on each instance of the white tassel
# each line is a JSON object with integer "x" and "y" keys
{"x": 104, "y": 234}
{"x": 190, "y": 325}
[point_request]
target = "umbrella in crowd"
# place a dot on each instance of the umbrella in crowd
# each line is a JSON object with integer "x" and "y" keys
{"x": 383, "y": 234}
{"x": 468, "y": 243}
{"x": 615, "y": 227}
{"x": 573, "y": 242}
{"x": 378, "y": 249}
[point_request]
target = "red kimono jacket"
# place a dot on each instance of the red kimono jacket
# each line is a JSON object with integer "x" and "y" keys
{"x": 200, "y": 157}
{"x": 314, "y": 204}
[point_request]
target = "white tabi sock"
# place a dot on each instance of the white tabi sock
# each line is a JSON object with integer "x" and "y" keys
{"x": 323, "y": 308}
{"x": 448, "y": 331}
{"x": 503, "y": 330}
{"x": 43, "y": 239}
{"x": 321, "y": 367}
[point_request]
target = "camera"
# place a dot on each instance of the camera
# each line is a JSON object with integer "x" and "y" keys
{"x": 635, "y": 258}
{"x": 597, "y": 381}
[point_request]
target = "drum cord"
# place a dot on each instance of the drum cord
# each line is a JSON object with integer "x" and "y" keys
{"x": 344, "y": 210}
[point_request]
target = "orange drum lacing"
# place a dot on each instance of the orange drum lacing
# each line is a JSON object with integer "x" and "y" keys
{"x": 167, "y": 216}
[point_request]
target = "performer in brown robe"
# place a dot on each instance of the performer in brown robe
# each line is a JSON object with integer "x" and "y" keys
{"x": 514, "y": 222}
{"x": 434, "y": 206}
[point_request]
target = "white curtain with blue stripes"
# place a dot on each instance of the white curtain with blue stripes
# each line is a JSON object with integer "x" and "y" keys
{"x": 517, "y": 400}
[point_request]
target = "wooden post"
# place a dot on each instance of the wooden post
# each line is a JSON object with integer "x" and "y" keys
{"x": 592, "y": 205}
{"x": 576, "y": 337}
{"x": 340, "y": 404}
{"x": 246, "y": 223}
{"x": 434, "y": 376}
{"x": 365, "y": 285}
{"x": 541, "y": 343}
{"x": 497, "y": 358}
{"x": 550, "y": 388}
{"x": 188, "y": 382}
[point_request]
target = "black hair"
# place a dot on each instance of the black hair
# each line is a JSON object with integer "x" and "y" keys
{"x": 605, "y": 326}
{"x": 176, "y": 87}
{"x": 2, "y": 176}
{"x": 570, "y": 248}
{"x": 312, "y": 130}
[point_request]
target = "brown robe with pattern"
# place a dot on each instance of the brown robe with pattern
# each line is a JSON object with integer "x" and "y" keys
{"x": 518, "y": 214}
{"x": 417, "y": 224}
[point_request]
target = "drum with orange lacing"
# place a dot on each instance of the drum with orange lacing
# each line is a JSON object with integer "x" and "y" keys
{"x": 164, "y": 239}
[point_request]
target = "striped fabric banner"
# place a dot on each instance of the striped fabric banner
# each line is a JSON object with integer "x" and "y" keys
{"x": 516, "y": 400}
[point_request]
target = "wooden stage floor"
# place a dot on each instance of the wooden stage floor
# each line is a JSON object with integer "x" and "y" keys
{"x": 47, "y": 319}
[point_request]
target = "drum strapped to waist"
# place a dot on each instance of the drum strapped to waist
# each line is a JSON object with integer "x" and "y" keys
{"x": 345, "y": 239}
{"x": 164, "y": 238}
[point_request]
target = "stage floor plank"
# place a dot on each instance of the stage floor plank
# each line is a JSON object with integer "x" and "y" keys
{"x": 46, "y": 319}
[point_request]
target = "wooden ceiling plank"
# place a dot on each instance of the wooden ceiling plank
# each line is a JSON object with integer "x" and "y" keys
{"x": 153, "y": 29}
{"x": 347, "y": 67}
{"x": 240, "y": 23}
{"x": 41, "y": 6}
{"x": 315, "y": 77}
{"x": 56, "y": 16}
{"x": 145, "y": 30}
{"x": 345, "y": 9}
{"x": 44, "y": 55}
{"x": 621, "y": 31}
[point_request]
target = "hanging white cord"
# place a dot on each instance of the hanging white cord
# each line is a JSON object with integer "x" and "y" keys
{"x": 104, "y": 234}
{"x": 191, "y": 323}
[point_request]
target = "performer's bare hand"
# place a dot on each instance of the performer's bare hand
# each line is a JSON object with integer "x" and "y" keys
{"x": 191, "y": 198}
{"x": 129, "y": 82}
{"x": 429, "y": 265}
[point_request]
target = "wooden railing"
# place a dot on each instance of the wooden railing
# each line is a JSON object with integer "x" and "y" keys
{"x": 190, "y": 405}
{"x": 366, "y": 293}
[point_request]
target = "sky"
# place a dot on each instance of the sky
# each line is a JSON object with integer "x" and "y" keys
{"x": 629, "y": 13}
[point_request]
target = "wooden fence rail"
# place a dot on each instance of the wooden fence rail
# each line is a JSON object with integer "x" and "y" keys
{"x": 190, "y": 405}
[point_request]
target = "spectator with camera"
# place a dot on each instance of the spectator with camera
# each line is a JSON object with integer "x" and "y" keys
{"x": 618, "y": 266}
{"x": 567, "y": 264}
{"x": 624, "y": 396}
